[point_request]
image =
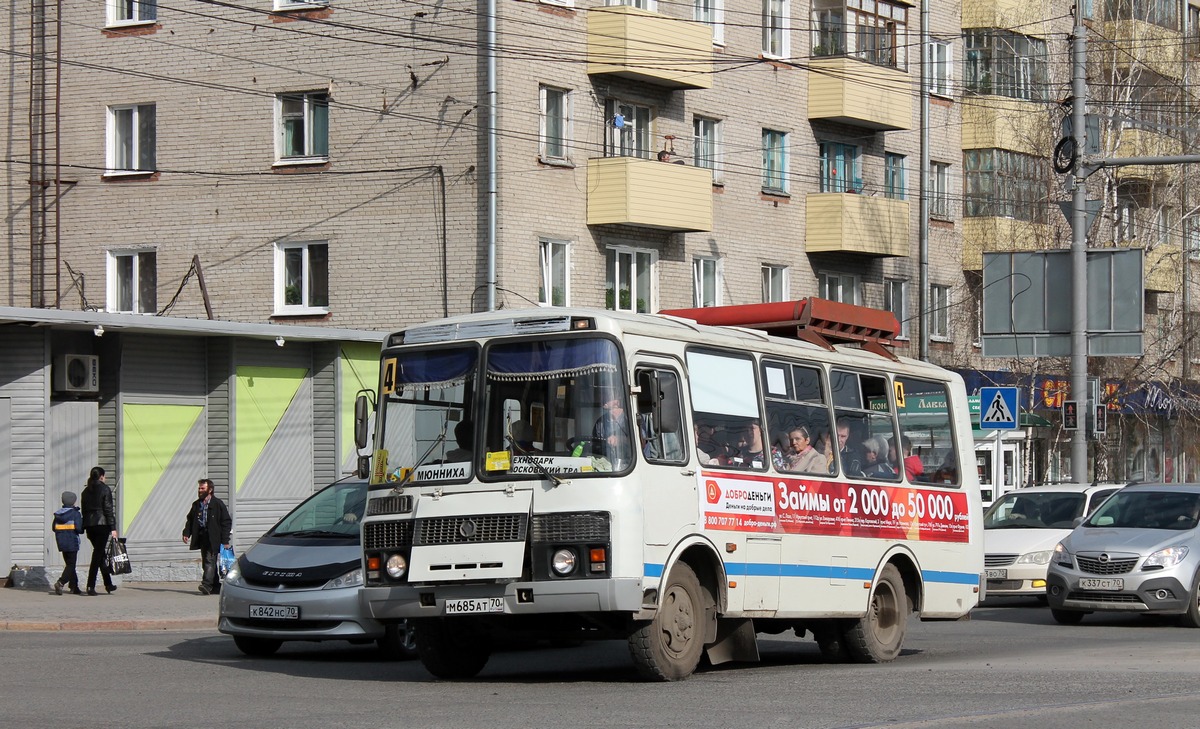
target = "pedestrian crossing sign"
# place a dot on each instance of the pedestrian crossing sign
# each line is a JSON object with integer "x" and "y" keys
{"x": 998, "y": 408}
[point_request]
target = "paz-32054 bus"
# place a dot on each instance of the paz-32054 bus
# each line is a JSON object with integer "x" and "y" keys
{"x": 681, "y": 481}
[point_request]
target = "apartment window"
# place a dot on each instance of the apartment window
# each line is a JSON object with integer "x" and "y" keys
{"x": 556, "y": 123}
{"x": 1191, "y": 227}
{"x": 133, "y": 281}
{"x": 298, "y": 4}
{"x": 706, "y": 146}
{"x": 895, "y": 300}
{"x": 302, "y": 127}
{"x": 940, "y": 56}
{"x": 640, "y": 4}
{"x": 1005, "y": 63}
{"x": 1163, "y": 13}
{"x": 630, "y": 279}
{"x": 839, "y": 167}
{"x": 127, "y": 12}
{"x": 1164, "y": 225}
{"x": 775, "y": 28}
{"x": 302, "y": 278}
{"x": 874, "y": 32}
{"x": 939, "y": 314}
{"x": 1193, "y": 29}
{"x": 939, "y": 190}
{"x": 1003, "y": 184}
{"x": 774, "y": 160}
{"x": 841, "y": 287}
{"x": 1125, "y": 214}
{"x": 555, "y": 266}
{"x": 893, "y": 175}
{"x": 712, "y": 13}
{"x": 627, "y": 130}
{"x": 706, "y": 282}
{"x": 774, "y": 283}
{"x": 131, "y": 138}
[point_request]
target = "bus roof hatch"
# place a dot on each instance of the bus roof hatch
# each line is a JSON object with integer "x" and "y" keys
{"x": 819, "y": 321}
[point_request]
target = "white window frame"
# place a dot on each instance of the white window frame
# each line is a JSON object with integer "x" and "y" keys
{"x": 548, "y": 248}
{"x": 939, "y": 312}
{"x": 836, "y": 286}
{"x": 113, "y": 280}
{"x": 115, "y": 162}
{"x": 309, "y": 156}
{"x": 544, "y": 150}
{"x": 895, "y": 176}
{"x": 776, "y": 28}
{"x": 651, "y": 5}
{"x": 299, "y": 4}
{"x": 940, "y": 55}
{"x": 635, "y": 137}
{"x": 281, "y": 305}
{"x": 895, "y": 300}
{"x": 841, "y": 167}
{"x": 776, "y": 283}
{"x": 772, "y": 150}
{"x": 707, "y": 271}
{"x": 939, "y": 191}
{"x": 712, "y": 13}
{"x": 713, "y": 160}
{"x": 130, "y": 12}
{"x": 636, "y": 258}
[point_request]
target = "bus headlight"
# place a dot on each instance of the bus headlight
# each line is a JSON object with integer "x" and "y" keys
{"x": 397, "y": 565}
{"x": 564, "y": 562}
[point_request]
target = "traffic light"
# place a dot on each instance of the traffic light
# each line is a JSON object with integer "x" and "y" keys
{"x": 1070, "y": 415}
{"x": 1100, "y": 423}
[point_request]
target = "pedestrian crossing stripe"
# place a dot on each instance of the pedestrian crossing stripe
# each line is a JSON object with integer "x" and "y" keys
{"x": 998, "y": 411}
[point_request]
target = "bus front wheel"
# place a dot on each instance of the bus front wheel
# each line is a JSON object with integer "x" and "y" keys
{"x": 878, "y": 635}
{"x": 450, "y": 651}
{"x": 669, "y": 647}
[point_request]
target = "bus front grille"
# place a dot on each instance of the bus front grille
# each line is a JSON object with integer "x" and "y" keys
{"x": 473, "y": 529}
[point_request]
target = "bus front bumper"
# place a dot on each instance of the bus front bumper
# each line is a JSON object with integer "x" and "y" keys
{"x": 387, "y": 603}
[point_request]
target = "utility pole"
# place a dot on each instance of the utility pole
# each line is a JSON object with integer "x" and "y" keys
{"x": 1079, "y": 359}
{"x": 923, "y": 189}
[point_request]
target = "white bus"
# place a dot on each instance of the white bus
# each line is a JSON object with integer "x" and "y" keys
{"x": 573, "y": 474}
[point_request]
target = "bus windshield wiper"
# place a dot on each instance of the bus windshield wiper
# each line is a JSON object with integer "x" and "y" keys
{"x": 421, "y": 461}
{"x": 536, "y": 463}
{"x": 312, "y": 533}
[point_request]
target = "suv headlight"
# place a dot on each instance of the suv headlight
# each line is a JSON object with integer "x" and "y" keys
{"x": 1063, "y": 556}
{"x": 353, "y": 578}
{"x": 233, "y": 576}
{"x": 1042, "y": 557}
{"x": 1164, "y": 558}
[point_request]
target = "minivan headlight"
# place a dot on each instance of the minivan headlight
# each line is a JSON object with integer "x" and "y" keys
{"x": 1042, "y": 557}
{"x": 1063, "y": 556}
{"x": 234, "y": 575}
{"x": 353, "y": 578}
{"x": 1164, "y": 558}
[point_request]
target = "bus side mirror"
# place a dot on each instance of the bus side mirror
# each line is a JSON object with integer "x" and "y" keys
{"x": 363, "y": 467}
{"x": 361, "y": 413}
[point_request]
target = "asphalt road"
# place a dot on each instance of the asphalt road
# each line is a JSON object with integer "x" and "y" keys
{"x": 1010, "y": 666}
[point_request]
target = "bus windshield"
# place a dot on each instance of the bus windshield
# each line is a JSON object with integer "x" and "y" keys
{"x": 425, "y": 414}
{"x": 556, "y": 406}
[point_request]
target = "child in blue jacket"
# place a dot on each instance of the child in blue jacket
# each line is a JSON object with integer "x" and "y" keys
{"x": 67, "y": 526}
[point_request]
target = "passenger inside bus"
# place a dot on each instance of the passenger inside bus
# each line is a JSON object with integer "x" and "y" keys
{"x": 875, "y": 464}
{"x": 851, "y": 456}
{"x": 803, "y": 457}
{"x": 464, "y": 433}
{"x": 747, "y": 451}
{"x": 706, "y": 444}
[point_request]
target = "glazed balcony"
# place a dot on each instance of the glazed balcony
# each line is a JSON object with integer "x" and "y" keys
{"x": 1000, "y": 235}
{"x": 843, "y": 222}
{"x": 649, "y": 47}
{"x": 850, "y": 91}
{"x": 650, "y": 194}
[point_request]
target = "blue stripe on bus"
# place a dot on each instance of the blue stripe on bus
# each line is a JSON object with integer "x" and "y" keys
{"x": 744, "y": 569}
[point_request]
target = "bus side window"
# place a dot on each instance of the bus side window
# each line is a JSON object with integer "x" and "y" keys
{"x": 659, "y": 416}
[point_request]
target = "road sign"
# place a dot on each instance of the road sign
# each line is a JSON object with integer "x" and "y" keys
{"x": 998, "y": 408}
{"x": 1070, "y": 414}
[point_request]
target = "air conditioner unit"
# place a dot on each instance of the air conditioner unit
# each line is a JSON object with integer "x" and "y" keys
{"x": 77, "y": 373}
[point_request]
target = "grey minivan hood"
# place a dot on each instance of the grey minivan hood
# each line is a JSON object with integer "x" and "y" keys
{"x": 1132, "y": 541}
{"x": 296, "y": 556}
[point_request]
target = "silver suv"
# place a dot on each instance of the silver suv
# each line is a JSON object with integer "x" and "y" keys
{"x": 1139, "y": 552}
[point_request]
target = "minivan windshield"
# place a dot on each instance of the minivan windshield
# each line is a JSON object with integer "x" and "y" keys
{"x": 1138, "y": 509}
{"x": 333, "y": 512}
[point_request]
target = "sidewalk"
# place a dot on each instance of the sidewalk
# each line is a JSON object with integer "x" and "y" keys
{"x": 134, "y": 606}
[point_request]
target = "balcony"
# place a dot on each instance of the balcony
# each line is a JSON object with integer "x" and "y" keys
{"x": 998, "y": 122}
{"x": 1000, "y": 235}
{"x": 1128, "y": 42}
{"x": 1028, "y": 15}
{"x": 842, "y": 222}
{"x": 1134, "y": 142}
{"x": 851, "y": 91}
{"x": 644, "y": 46}
{"x": 650, "y": 194}
{"x": 1162, "y": 267}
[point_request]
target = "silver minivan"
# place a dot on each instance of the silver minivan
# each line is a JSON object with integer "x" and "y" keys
{"x": 1139, "y": 552}
{"x": 301, "y": 580}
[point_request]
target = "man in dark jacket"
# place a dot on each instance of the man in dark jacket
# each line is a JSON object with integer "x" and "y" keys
{"x": 208, "y": 528}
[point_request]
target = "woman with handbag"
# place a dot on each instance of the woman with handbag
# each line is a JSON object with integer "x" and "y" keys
{"x": 100, "y": 524}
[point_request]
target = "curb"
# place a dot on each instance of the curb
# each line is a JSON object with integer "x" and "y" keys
{"x": 79, "y": 626}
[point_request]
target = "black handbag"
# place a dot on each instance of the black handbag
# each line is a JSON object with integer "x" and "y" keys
{"x": 118, "y": 557}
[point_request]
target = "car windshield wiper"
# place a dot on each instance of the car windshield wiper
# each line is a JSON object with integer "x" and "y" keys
{"x": 312, "y": 533}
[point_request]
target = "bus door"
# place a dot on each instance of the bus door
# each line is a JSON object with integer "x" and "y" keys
{"x": 668, "y": 485}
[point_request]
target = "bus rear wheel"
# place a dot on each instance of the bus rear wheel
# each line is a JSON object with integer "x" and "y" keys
{"x": 878, "y": 635}
{"x": 450, "y": 650}
{"x": 669, "y": 647}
